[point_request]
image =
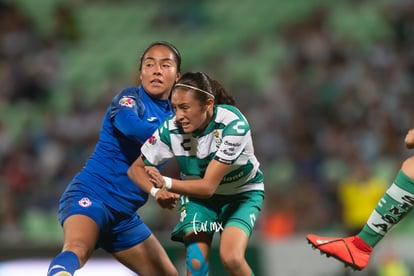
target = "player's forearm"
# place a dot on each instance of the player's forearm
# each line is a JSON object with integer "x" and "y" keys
{"x": 137, "y": 174}
{"x": 196, "y": 188}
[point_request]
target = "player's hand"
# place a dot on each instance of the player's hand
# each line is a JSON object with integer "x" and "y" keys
{"x": 155, "y": 177}
{"x": 166, "y": 200}
{"x": 409, "y": 139}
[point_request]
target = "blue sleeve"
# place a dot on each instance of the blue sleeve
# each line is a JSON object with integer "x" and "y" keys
{"x": 131, "y": 125}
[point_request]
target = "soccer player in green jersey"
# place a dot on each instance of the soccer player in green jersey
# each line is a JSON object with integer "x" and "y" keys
{"x": 398, "y": 200}
{"x": 221, "y": 187}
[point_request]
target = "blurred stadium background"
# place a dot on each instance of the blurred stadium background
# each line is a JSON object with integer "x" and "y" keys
{"x": 326, "y": 86}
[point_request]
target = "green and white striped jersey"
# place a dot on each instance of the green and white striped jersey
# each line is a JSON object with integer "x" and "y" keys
{"x": 227, "y": 138}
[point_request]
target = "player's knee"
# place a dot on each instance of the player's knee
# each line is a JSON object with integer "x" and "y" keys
{"x": 195, "y": 261}
{"x": 80, "y": 249}
{"x": 171, "y": 271}
{"x": 408, "y": 167}
{"x": 231, "y": 260}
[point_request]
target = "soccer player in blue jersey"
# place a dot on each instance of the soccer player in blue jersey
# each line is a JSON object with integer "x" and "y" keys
{"x": 99, "y": 207}
{"x": 221, "y": 187}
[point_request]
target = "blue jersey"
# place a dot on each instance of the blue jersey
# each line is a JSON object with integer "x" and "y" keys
{"x": 129, "y": 120}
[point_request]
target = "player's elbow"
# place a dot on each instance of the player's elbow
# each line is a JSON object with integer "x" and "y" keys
{"x": 130, "y": 173}
{"x": 205, "y": 196}
{"x": 208, "y": 192}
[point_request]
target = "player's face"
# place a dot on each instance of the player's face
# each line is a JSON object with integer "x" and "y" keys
{"x": 159, "y": 71}
{"x": 191, "y": 114}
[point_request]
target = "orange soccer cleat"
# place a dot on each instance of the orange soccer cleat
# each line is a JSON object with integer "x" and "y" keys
{"x": 352, "y": 251}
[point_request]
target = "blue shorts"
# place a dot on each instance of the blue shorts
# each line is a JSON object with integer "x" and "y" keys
{"x": 118, "y": 231}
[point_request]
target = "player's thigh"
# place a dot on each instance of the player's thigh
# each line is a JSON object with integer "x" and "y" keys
{"x": 80, "y": 227}
{"x": 233, "y": 241}
{"x": 147, "y": 258}
{"x": 80, "y": 235}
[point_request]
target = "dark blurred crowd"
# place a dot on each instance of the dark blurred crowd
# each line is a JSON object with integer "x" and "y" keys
{"x": 330, "y": 106}
{"x": 334, "y": 108}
